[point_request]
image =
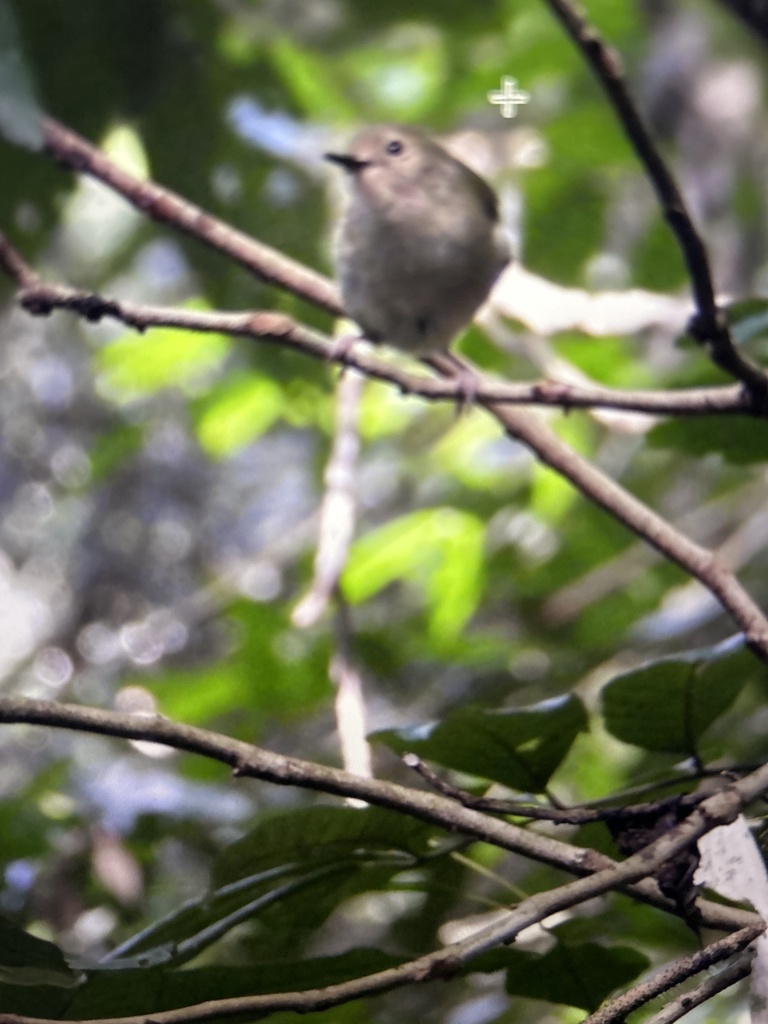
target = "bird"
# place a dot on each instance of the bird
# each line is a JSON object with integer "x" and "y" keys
{"x": 419, "y": 244}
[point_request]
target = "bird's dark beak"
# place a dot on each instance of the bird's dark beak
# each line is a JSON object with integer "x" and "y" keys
{"x": 350, "y": 163}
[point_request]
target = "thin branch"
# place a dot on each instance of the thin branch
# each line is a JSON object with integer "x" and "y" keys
{"x": 448, "y": 961}
{"x": 165, "y": 206}
{"x": 538, "y": 812}
{"x": 254, "y": 762}
{"x": 41, "y": 298}
{"x": 687, "y": 1001}
{"x": 674, "y": 973}
{"x": 350, "y": 707}
{"x": 16, "y": 266}
{"x": 708, "y": 325}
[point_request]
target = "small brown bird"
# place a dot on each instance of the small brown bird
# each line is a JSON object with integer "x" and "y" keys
{"x": 420, "y": 244}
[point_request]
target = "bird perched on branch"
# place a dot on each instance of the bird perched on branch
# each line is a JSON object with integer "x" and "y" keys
{"x": 419, "y": 245}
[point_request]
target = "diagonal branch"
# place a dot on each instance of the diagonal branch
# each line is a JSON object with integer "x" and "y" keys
{"x": 165, "y": 206}
{"x": 708, "y": 325}
{"x": 672, "y": 974}
{"x": 682, "y": 1005}
{"x": 698, "y": 561}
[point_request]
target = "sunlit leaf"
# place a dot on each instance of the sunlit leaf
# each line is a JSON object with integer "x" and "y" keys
{"x": 238, "y": 413}
{"x": 439, "y": 549}
{"x": 311, "y": 81}
{"x": 139, "y": 364}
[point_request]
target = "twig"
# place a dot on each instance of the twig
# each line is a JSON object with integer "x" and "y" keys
{"x": 537, "y": 812}
{"x": 687, "y": 1001}
{"x": 350, "y": 700}
{"x": 16, "y": 266}
{"x": 337, "y": 511}
{"x": 617, "y": 1010}
{"x": 708, "y": 325}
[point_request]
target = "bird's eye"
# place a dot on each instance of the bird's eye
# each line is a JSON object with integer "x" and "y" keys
{"x": 394, "y": 147}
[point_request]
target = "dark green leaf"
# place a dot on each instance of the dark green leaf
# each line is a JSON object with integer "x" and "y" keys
{"x": 668, "y": 704}
{"x": 520, "y": 748}
{"x": 324, "y": 835}
{"x": 739, "y": 439}
{"x": 136, "y": 991}
{"x": 573, "y": 975}
{"x": 288, "y": 873}
{"x": 28, "y": 961}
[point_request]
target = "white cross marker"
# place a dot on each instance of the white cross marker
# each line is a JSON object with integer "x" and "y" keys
{"x": 509, "y": 97}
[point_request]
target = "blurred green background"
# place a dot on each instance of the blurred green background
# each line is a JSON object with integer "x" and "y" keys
{"x": 159, "y": 495}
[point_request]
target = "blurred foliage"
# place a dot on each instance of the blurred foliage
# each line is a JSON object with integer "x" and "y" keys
{"x": 159, "y": 498}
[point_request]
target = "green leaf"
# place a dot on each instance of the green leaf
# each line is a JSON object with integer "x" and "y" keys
{"x": 520, "y": 748}
{"x": 286, "y": 876}
{"x": 580, "y": 976}
{"x": 667, "y": 705}
{"x": 439, "y": 549}
{"x": 738, "y": 439}
{"x": 19, "y": 112}
{"x": 120, "y": 992}
{"x": 26, "y": 960}
{"x": 312, "y": 81}
{"x": 323, "y": 835}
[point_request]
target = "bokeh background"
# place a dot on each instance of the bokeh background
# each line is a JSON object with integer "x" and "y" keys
{"x": 159, "y": 493}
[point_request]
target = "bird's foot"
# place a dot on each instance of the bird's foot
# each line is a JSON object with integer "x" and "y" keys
{"x": 341, "y": 348}
{"x": 452, "y": 366}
